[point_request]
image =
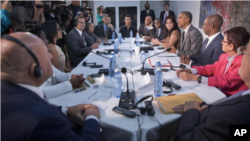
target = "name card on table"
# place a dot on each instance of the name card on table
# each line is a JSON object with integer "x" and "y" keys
{"x": 147, "y": 78}
{"x": 108, "y": 86}
{"x": 145, "y": 88}
{"x": 102, "y": 79}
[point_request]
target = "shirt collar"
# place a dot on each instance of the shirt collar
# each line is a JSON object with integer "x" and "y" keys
{"x": 230, "y": 59}
{"x": 166, "y": 11}
{"x": 247, "y": 92}
{"x": 33, "y": 89}
{"x": 79, "y": 31}
{"x": 213, "y": 36}
{"x": 186, "y": 30}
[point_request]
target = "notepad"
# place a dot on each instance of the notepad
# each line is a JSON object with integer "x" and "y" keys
{"x": 166, "y": 103}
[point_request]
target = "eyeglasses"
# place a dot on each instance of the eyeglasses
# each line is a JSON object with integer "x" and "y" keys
{"x": 222, "y": 41}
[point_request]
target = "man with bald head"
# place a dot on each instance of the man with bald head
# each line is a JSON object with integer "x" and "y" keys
{"x": 214, "y": 122}
{"x": 25, "y": 113}
{"x": 147, "y": 29}
{"x": 211, "y": 47}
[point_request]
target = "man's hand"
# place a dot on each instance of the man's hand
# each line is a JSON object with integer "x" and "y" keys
{"x": 98, "y": 40}
{"x": 94, "y": 46}
{"x": 111, "y": 26}
{"x": 92, "y": 111}
{"x": 179, "y": 109}
{"x": 39, "y": 10}
{"x": 186, "y": 76}
{"x": 192, "y": 105}
{"x": 185, "y": 60}
{"x": 76, "y": 81}
{"x": 79, "y": 109}
{"x": 151, "y": 23}
{"x": 70, "y": 15}
{"x": 155, "y": 41}
{"x": 182, "y": 70}
{"x": 7, "y": 6}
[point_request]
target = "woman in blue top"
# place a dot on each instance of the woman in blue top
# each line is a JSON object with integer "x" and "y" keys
{"x": 100, "y": 15}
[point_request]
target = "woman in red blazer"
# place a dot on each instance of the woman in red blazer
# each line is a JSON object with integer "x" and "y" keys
{"x": 223, "y": 74}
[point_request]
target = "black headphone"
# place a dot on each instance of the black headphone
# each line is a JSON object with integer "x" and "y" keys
{"x": 148, "y": 107}
{"x": 37, "y": 71}
{"x": 76, "y": 20}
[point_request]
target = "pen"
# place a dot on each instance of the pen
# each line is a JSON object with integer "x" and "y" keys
{"x": 79, "y": 90}
{"x": 87, "y": 84}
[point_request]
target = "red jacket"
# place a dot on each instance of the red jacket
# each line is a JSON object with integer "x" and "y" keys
{"x": 230, "y": 82}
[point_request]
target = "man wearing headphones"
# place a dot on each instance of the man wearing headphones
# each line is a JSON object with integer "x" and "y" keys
{"x": 25, "y": 66}
{"x": 125, "y": 29}
{"x": 76, "y": 43}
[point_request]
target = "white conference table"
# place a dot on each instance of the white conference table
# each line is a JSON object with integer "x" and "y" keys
{"x": 116, "y": 126}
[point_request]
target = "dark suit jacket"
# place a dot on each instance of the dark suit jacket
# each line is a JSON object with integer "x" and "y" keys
{"x": 144, "y": 32}
{"x": 126, "y": 32}
{"x": 74, "y": 9}
{"x": 27, "y": 117}
{"x": 213, "y": 123}
{"x": 90, "y": 38}
{"x": 170, "y": 13}
{"x": 99, "y": 31}
{"x": 162, "y": 36}
{"x": 192, "y": 43}
{"x": 76, "y": 49}
{"x": 144, "y": 15}
{"x": 211, "y": 54}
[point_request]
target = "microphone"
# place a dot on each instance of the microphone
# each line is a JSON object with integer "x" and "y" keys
{"x": 151, "y": 71}
{"x": 124, "y": 70}
{"x": 99, "y": 55}
{"x": 86, "y": 64}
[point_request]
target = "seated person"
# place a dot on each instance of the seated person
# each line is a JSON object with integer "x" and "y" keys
{"x": 172, "y": 34}
{"x": 76, "y": 43}
{"x": 105, "y": 30}
{"x": 53, "y": 33}
{"x": 205, "y": 123}
{"x": 160, "y": 30}
{"x": 90, "y": 37}
{"x": 223, "y": 73}
{"x": 125, "y": 29}
{"x": 191, "y": 38}
{"x": 147, "y": 29}
{"x": 211, "y": 48}
{"x": 22, "y": 103}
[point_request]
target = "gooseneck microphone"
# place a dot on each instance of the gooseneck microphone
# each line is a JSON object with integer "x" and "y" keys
{"x": 124, "y": 70}
{"x": 151, "y": 71}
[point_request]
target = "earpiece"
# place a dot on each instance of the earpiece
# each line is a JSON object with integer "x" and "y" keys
{"x": 148, "y": 108}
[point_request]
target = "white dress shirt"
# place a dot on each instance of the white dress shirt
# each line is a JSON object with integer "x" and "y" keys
{"x": 57, "y": 84}
{"x": 79, "y": 31}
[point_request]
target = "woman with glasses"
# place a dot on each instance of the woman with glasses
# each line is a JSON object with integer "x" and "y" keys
{"x": 223, "y": 74}
{"x": 53, "y": 33}
{"x": 172, "y": 34}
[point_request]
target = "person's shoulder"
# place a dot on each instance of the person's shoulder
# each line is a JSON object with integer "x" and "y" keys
{"x": 123, "y": 26}
{"x": 194, "y": 30}
{"x": 152, "y": 10}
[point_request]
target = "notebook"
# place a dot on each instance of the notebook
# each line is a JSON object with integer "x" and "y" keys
{"x": 166, "y": 103}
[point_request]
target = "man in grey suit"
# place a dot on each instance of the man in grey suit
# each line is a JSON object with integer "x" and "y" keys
{"x": 191, "y": 38}
{"x": 76, "y": 43}
{"x": 147, "y": 29}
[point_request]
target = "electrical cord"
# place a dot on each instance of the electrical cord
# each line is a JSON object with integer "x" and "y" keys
{"x": 161, "y": 127}
{"x": 140, "y": 125}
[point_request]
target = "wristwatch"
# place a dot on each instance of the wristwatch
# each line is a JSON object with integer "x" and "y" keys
{"x": 199, "y": 79}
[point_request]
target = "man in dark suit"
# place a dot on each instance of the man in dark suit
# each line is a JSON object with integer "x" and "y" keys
{"x": 74, "y": 6}
{"x": 77, "y": 46}
{"x": 166, "y": 13}
{"x": 25, "y": 115}
{"x": 191, "y": 38}
{"x": 212, "y": 122}
{"x": 147, "y": 12}
{"x": 211, "y": 48}
{"x": 125, "y": 29}
{"x": 147, "y": 29}
{"x": 106, "y": 29}
{"x": 159, "y": 32}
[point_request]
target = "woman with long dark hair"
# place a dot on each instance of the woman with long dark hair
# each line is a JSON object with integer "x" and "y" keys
{"x": 100, "y": 16}
{"x": 172, "y": 34}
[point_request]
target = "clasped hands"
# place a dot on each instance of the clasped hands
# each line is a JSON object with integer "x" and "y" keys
{"x": 189, "y": 105}
{"x": 87, "y": 109}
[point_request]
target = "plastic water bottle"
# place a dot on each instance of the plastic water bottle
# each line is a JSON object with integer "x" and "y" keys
{"x": 116, "y": 50}
{"x": 114, "y": 58}
{"x": 142, "y": 57}
{"x": 158, "y": 83}
{"x": 118, "y": 84}
{"x": 131, "y": 34}
{"x": 111, "y": 66}
{"x": 157, "y": 65}
{"x": 120, "y": 38}
{"x": 113, "y": 36}
{"x": 137, "y": 39}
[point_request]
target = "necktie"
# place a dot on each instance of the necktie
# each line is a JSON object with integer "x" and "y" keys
{"x": 204, "y": 45}
{"x": 106, "y": 36}
{"x": 147, "y": 29}
{"x": 83, "y": 39}
{"x": 147, "y": 11}
{"x": 159, "y": 32}
{"x": 183, "y": 35}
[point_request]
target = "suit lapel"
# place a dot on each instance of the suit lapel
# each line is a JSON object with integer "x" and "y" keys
{"x": 145, "y": 30}
{"x": 186, "y": 36}
{"x": 213, "y": 41}
{"x": 79, "y": 36}
{"x": 102, "y": 31}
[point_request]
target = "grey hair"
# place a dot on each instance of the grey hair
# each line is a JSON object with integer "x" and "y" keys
{"x": 188, "y": 15}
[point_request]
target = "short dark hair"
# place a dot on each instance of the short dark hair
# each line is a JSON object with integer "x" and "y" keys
{"x": 100, "y": 7}
{"x": 127, "y": 16}
{"x": 50, "y": 30}
{"x": 158, "y": 19}
{"x": 188, "y": 15}
{"x": 87, "y": 26}
{"x": 147, "y": 3}
{"x": 238, "y": 36}
{"x": 166, "y": 4}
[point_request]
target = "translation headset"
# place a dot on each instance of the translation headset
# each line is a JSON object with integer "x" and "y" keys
{"x": 75, "y": 20}
{"x": 148, "y": 106}
{"x": 37, "y": 70}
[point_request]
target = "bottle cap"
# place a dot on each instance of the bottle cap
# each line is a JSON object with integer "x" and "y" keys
{"x": 110, "y": 56}
{"x": 158, "y": 69}
{"x": 112, "y": 52}
{"x": 116, "y": 70}
{"x": 142, "y": 52}
{"x": 158, "y": 61}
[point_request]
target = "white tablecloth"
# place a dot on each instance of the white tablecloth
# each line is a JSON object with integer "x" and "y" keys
{"x": 118, "y": 127}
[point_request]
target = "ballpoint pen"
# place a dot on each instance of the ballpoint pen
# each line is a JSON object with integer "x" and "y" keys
{"x": 76, "y": 91}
